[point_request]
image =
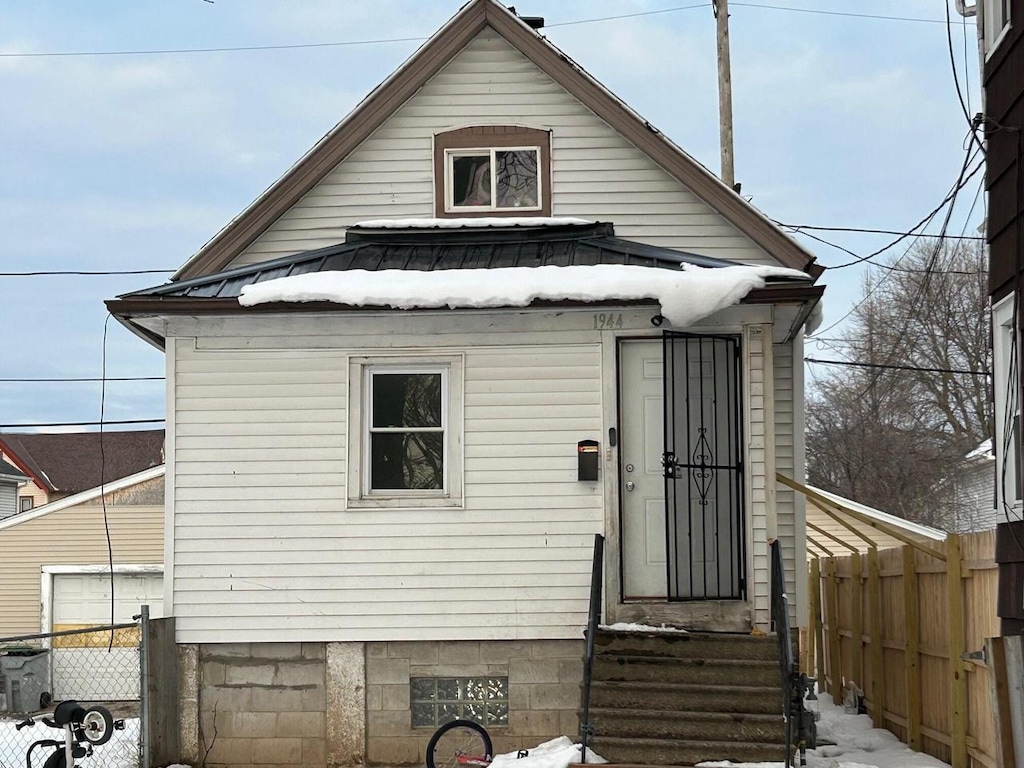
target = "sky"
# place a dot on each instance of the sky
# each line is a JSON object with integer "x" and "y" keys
{"x": 132, "y": 160}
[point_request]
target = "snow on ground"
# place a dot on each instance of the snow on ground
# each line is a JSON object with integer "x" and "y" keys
{"x": 557, "y": 753}
{"x": 122, "y": 751}
{"x": 630, "y": 627}
{"x": 686, "y": 295}
{"x": 853, "y": 743}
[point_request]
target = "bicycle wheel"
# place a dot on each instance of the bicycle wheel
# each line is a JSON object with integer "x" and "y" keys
{"x": 459, "y": 743}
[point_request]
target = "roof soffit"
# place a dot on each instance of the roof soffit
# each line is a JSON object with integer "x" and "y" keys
{"x": 427, "y": 61}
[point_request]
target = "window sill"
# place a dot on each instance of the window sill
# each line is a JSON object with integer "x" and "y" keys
{"x": 405, "y": 502}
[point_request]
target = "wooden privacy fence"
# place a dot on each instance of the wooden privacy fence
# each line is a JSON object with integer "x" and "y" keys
{"x": 908, "y": 626}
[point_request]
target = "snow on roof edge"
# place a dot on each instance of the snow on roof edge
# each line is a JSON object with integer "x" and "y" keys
{"x": 685, "y": 295}
{"x": 884, "y": 517}
{"x": 463, "y": 223}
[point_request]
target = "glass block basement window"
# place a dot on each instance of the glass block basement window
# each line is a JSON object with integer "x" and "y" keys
{"x": 437, "y": 700}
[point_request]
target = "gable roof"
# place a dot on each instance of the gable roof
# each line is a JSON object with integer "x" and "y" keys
{"x": 70, "y": 462}
{"x": 7, "y": 472}
{"x": 374, "y": 246}
{"x": 429, "y": 59}
{"x": 83, "y": 497}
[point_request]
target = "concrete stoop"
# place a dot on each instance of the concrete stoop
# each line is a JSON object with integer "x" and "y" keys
{"x": 678, "y": 699}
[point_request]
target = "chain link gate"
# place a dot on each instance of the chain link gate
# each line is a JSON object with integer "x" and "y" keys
{"x": 93, "y": 665}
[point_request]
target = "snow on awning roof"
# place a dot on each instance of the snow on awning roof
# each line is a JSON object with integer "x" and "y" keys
{"x": 467, "y": 223}
{"x": 409, "y": 244}
{"x": 686, "y": 295}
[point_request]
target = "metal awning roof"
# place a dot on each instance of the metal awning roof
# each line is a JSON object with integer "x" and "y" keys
{"x": 839, "y": 526}
{"x": 434, "y": 249}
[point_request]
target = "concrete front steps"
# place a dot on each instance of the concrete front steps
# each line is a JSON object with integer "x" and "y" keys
{"x": 682, "y": 698}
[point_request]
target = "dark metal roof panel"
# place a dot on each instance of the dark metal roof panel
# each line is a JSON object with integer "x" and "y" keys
{"x": 435, "y": 249}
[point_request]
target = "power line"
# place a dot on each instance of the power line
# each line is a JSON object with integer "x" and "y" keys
{"x": 82, "y": 423}
{"x": 81, "y": 379}
{"x": 800, "y": 227}
{"x": 950, "y": 198}
{"x": 627, "y": 15}
{"x": 226, "y": 49}
{"x": 972, "y": 123}
{"x": 960, "y": 183}
{"x": 41, "y": 273}
{"x": 896, "y": 367}
{"x": 385, "y": 41}
{"x": 917, "y": 19}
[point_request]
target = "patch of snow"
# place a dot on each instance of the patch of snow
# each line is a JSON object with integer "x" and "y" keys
{"x": 621, "y": 626}
{"x": 491, "y": 221}
{"x": 122, "y": 751}
{"x": 815, "y": 318}
{"x": 985, "y": 449}
{"x": 853, "y": 743}
{"x": 685, "y": 296}
{"x": 557, "y": 753}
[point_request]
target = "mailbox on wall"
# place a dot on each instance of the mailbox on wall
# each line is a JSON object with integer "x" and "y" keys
{"x": 587, "y": 452}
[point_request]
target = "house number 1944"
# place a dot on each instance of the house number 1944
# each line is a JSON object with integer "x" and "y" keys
{"x": 604, "y": 321}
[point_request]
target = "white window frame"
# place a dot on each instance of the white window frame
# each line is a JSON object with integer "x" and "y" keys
{"x": 996, "y": 21}
{"x": 361, "y": 371}
{"x": 1007, "y": 407}
{"x": 450, "y": 156}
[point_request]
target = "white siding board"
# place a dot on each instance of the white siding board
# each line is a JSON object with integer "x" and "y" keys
{"x": 256, "y": 504}
{"x": 596, "y": 173}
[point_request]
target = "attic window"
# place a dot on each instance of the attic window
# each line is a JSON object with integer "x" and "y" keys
{"x": 492, "y": 169}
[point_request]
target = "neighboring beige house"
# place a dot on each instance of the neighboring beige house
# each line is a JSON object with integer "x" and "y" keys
{"x": 54, "y": 558}
{"x": 386, "y": 473}
{"x": 60, "y": 464}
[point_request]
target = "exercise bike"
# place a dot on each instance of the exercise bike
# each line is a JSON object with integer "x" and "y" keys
{"x": 83, "y": 730}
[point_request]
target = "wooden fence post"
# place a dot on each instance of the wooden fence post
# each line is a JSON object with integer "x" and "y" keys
{"x": 957, "y": 641}
{"x": 814, "y": 619}
{"x": 912, "y": 641}
{"x": 835, "y": 665}
{"x": 876, "y": 651}
{"x": 856, "y": 622}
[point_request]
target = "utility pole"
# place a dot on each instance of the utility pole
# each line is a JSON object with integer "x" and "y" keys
{"x": 721, "y": 10}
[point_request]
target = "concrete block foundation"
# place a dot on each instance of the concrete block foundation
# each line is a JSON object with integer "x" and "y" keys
{"x": 335, "y": 705}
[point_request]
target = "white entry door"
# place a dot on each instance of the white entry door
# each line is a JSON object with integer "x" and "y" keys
{"x": 645, "y": 571}
{"x": 689, "y": 546}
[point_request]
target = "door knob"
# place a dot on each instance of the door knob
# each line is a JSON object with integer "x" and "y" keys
{"x": 630, "y": 485}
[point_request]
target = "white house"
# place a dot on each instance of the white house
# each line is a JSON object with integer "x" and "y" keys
{"x": 410, "y": 383}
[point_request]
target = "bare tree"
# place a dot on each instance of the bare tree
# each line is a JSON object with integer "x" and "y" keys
{"x": 895, "y": 438}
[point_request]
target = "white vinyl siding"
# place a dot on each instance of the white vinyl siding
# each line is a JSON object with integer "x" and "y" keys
{"x": 791, "y": 527}
{"x": 595, "y": 172}
{"x": 266, "y": 550}
{"x": 8, "y": 499}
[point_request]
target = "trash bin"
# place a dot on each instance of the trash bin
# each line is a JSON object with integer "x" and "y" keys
{"x": 26, "y": 678}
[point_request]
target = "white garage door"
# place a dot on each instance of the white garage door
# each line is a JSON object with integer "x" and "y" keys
{"x": 97, "y": 671}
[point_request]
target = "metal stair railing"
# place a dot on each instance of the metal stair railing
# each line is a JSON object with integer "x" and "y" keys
{"x": 593, "y": 622}
{"x": 801, "y": 729}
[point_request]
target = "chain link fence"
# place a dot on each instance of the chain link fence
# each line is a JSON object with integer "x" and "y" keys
{"x": 91, "y": 665}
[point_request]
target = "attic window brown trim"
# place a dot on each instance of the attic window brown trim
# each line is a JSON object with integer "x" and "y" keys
{"x": 490, "y": 140}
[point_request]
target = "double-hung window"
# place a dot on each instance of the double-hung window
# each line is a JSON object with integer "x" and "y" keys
{"x": 407, "y": 432}
{"x": 405, "y": 449}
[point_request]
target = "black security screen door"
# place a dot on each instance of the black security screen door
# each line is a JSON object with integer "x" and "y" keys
{"x": 703, "y": 467}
